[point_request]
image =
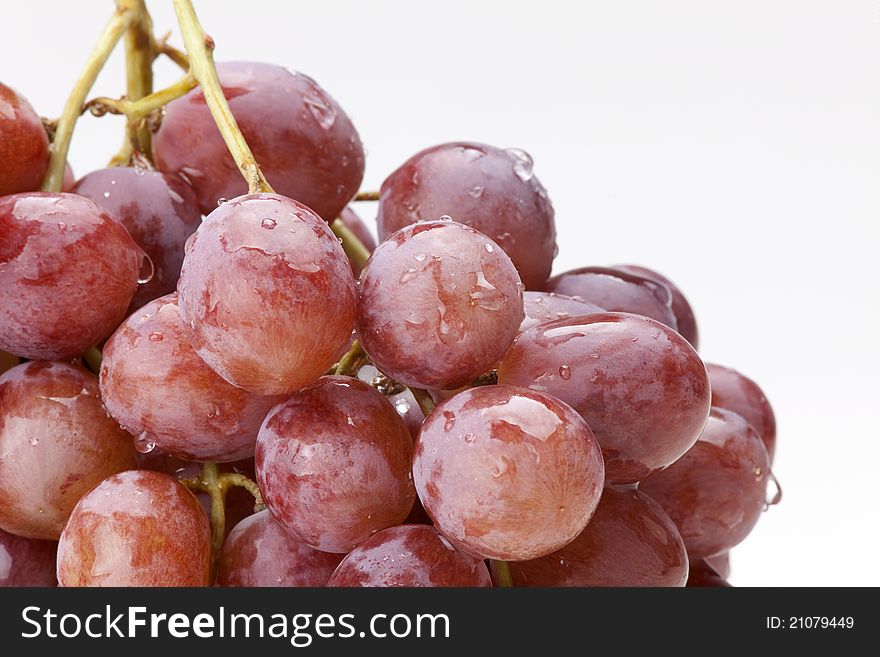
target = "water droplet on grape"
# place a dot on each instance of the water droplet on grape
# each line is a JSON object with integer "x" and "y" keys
{"x": 34, "y": 440}
{"x": 476, "y": 191}
{"x": 445, "y": 217}
{"x": 106, "y": 194}
{"x": 322, "y": 110}
{"x": 221, "y": 201}
{"x": 565, "y": 372}
{"x": 420, "y": 257}
{"x": 144, "y": 443}
{"x": 268, "y": 224}
{"x": 523, "y": 164}
{"x": 450, "y": 420}
{"x": 488, "y": 248}
{"x": 145, "y": 275}
{"x": 402, "y": 406}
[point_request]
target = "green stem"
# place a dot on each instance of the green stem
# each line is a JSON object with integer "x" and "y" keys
{"x": 93, "y": 358}
{"x": 351, "y": 358}
{"x": 353, "y": 247}
{"x": 423, "y": 399}
{"x": 200, "y": 49}
{"x": 501, "y": 572}
{"x": 367, "y": 196}
{"x": 139, "y": 58}
{"x": 143, "y": 107}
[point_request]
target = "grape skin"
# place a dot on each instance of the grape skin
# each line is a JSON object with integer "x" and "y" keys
{"x": 439, "y": 305}
{"x": 56, "y": 442}
{"x": 268, "y": 293}
{"x": 24, "y": 147}
{"x": 681, "y": 307}
{"x": 334, "y": 464}
{"x": 68, "y": 271}
{"x": 155, "y": 386}
{"x": 137, "y": 528}
{"x": 26, "y": 562}
{"x": 738, "y": 393}
{"x": 540, "y": 307}
{"x": 409, "y": 556}
{"x": 507, "y": 473}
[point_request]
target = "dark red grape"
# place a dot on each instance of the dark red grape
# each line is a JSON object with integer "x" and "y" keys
{"x": 56, "y": 443}
{"x": 540, "y": 307}
{"x": 439, "y": 305}
{"x": 137, "y": 528}
{"x": 738, "y": 393}
{"x": 720, "y": 563}
{"x": 617, "y": 291}
{"x": 487, "y": 188}
{"x": 639, "y": 385}
{"x": 68, "y": 181}
{"x": 716, "y": 492}
{"x": 24, "y": 146}
{"x": 158, "y": 211}
{"x": 704, "y": 574}
{"x": 681, "y": 307}
{"x": 156, "y": 387}
{"x": 26, "y": 561}
{"x": 68, "y": 271}
{"x": 305, "y": 143}
{"x": 259, "y": 552}
{"x": 268, "y": 293}
{"x": 409, "y": 556}
{"x": 507, "y": 473}
{"x": 334, "y": 464}
{"x": 630, "y": 541}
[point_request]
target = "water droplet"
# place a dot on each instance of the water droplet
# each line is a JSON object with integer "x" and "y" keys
{"x": 344, "y": 160}
{"x": 523, "y": 164}
{"x": 402, "y": 406}
{"x": 445, "y": 542}
{"x": 106, "y": 194}
{"x": 155, "y": 336}
{"x": 445, "y": 217}
{"x": 450, "y": 420}
{"x": 476, "y": 191}
{"x": 488, "y": 248}
{"x": 145, "y": 275}
{"x": 34, "y": 440}
{"x": 565, "y": 372}
{"x": 221, "y": 201}
{"x": 758, "y": 472}
{"x": 144, "y": 443}
{"x": 268, "y": 224}
{"x": 420, "y": 257}
{"x": 322, "y": 110}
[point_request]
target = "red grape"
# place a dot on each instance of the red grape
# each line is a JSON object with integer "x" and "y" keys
{"x": 715, "y": 493}
{"x": 617, "y": 291}
{"x": 738, "y": 393}
{"x": 68, "y": 181}
{"x": 630, "y": 541}
{"x": 409, "y": 556}
{"x": 7, "y": 361}
{"x": 56, "y": 443}
{"x": 137, "y": 528}
{"x": 305, "y": 143}
{"x": 259, "y": 552}
{"x": 639, "y": 385}
{"x": 704, "y": 574}
{"x": 507, "y": 473}
{"x": 24, "y": 146}
{"x": 156, "y": 386}
{"x": 68, "y": 271}
{"x": 439, "y": 305}
{"x": 357, "y": 226}
{"x": 540, "y": 307}
{"x": 681, "y": 308}
{"x": 26, "y": 561}
{"x": 268, "y": 292}
{"x": 158, "y": 211}
{"x": 720, "y": 563}
{"x": 487, "y": 188}
{"x": 334, "y": 464}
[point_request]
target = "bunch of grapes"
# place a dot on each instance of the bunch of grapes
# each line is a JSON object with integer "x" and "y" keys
{"x": 216, "y": 378}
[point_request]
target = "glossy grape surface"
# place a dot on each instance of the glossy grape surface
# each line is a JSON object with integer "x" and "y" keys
{"x": 540, "y": 307}
{"x": 268, "y": 293}
{"x": 306, "y": 145}
{"x": 681, "y": 307}
{"x": 409, "y": 556}
{"x": 639, "y": 385}
{"x": 507, "y": 473}
{"x": 334, "y": 464}
{"x": 68, "y": 271}
{"x": 56, "y": 443}
{"x": 137, "y": 528}
{"x": 439, "y": 305}
{"x": 24, "y": 147}
{"x": 155, "y": 386}
{"x": 738, "y": 393}
{"x": 490, "y": 189}
{"x": 26, "y": 561}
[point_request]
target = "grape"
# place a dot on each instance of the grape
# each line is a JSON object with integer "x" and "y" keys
{"x": 439, "y": 305}
{"x": 703, "y": 574}
{"x": 137, "y": 528}
{"x": 7, "y": 361}
{"x": 24, "y": 147}
{"x": 715, "y": 493}
{"x": 630, "y": 541}
{"x": 720, "y": 563}
{"x": 617, "y": 291}
{"x": 507, "y": 473}
{"x": 155, "y": 385}
{"x": 409, "y": 556}
{"x": 356, "y": 225}
{"x": 639, "y": 385}
{"x": 68, "y": 271}
{"x": 305, "y": 143}
{"x": 68, "y": 181}
{"x": 735, "y": 392}
{"x": 681, "y": 308}
{"x": 26, "y": 562}
{"x": 487, "y": 188}
{"x": 334, "y": 464}
{"x": 268, "y": 292}
{"x": 259, "y": 552}
{"x": 56, "y": 443}
{"x": 158, "y": 211}
{"x": 541, "y": 307}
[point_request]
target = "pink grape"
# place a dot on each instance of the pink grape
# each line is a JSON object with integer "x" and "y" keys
{"x": 56, "y": 443}
{"x": 507, "y": 473}
{"x": 26, "y": 561}
{"x": 268, "y": 293}
{"x": 681, "y": 307}
{"x": 738, "y": 393}
{"x": 540, "y": 307}
{"x": 155, "y": 386}
{"x": 334, "y": 464}
{"x": 639, "y": 385}
{"x": 24, "y": 147}
{"x": 409, "y": 556}
{"x": 439, "y": 305}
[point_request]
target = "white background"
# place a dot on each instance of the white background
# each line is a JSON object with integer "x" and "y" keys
{"x": 734, "y": 146}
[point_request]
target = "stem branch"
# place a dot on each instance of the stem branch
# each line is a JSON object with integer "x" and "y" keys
{"x": 353, "y": 247}
{"x": 424, "y": 400}
{"x": 501, "y": 573}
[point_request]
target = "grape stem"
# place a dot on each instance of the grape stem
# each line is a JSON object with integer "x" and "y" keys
{"x": 162, "y": 47}
{"x": 353, "y": 247}
{"x": 137, "y": 110}
{"x": 367, "y": 196}
{"x": 423, "y": 399}
{"x": 351, "y": 361}
{"x": 93, "y": 358}
{"x": 200, "y": 50}
{"x": 122, "y": 19}
{"x": 501, "y": 572}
